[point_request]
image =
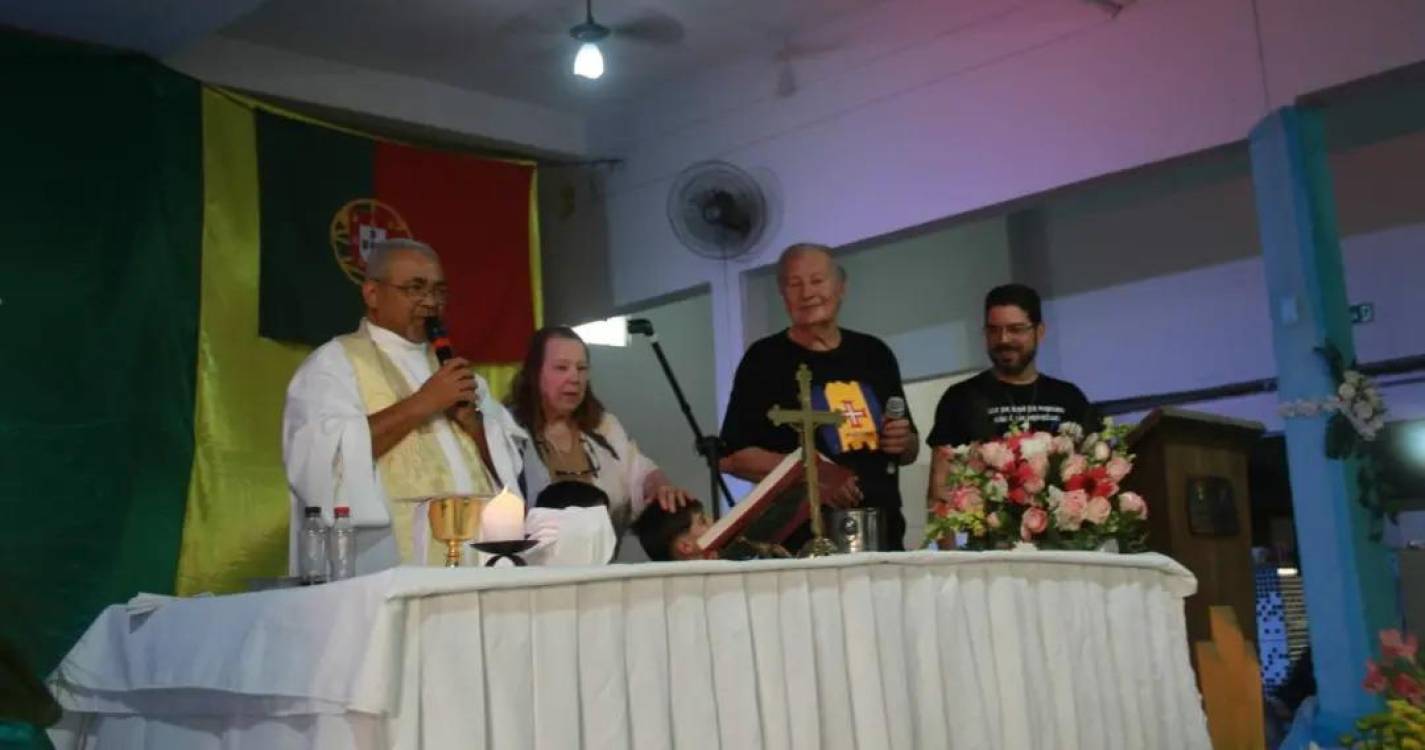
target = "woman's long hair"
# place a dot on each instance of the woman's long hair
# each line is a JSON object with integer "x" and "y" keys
{"x": 525, "y": 400}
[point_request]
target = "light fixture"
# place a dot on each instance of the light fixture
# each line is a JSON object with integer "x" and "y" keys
{"x": 589, "y": 62}
{"x": 608, "y": 332}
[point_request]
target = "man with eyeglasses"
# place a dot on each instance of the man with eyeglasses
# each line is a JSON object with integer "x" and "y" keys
{"x": 373, "y": 421}
{"x": 1013, "y": 391}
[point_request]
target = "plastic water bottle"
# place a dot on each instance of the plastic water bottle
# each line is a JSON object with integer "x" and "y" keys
{"x": 313, "y": 547}
{"x": 341, "y": 546}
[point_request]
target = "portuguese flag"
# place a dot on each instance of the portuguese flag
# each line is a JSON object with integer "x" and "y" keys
{"x": 326, "y": 196}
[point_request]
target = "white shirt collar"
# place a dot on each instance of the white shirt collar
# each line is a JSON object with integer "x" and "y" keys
{"x": 392, "y": 341}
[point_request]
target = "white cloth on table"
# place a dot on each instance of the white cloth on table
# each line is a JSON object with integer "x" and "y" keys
{"x": 325, "y": 436}
{"x": 578, "y": 536}
{"x": 880, "y": 650}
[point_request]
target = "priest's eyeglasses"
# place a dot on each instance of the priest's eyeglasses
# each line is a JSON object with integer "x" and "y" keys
{"x": 416, "y": 291}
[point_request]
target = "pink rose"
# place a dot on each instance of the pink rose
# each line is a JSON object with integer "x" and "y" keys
{"x": 1098, "y": 510}
{"x": 1030, "y": 474}
{"x": 1395, "y": 646}
{"x": 992, "y": 521}
{"x": 1062, "y": 445}
{"x": 1133, "y": 504}
{"x": 1118, "y": 468}
{"x": 1033, "y": 522}
{"x": 967, "y": 500}
{"x": 1375, "y": 681}
{"x": 1101, "y": 452}
{"x": 1070, "y": 513}
{"x": 997, "y": 455}
{"x": 1073, "y": 466}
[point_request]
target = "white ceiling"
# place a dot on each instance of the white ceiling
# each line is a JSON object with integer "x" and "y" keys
{"x": 521, "y": 49}
{"x": 517, "y": 49}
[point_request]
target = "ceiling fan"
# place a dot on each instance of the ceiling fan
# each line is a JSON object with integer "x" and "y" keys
{"x": 648, "y": 27}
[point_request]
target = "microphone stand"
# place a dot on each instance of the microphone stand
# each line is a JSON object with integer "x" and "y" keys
{"x": 707, "y": 446}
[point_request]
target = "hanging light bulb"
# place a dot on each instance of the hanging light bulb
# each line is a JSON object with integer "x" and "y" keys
{"x": 589, "y": 62}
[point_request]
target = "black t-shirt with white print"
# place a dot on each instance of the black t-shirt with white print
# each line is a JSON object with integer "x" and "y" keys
{"x": 984, "y": 408}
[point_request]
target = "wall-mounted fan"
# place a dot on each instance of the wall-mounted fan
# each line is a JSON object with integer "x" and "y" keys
{"x": 717, "y": 210}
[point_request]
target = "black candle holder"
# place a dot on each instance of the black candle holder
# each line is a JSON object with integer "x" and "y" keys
{"x": 509, "y": 549}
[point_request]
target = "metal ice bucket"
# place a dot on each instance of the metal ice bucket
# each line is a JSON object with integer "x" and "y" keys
{"x": 854, "y": 529}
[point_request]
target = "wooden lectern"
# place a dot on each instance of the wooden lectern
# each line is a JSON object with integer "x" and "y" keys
{"x": 1192, "y": 469}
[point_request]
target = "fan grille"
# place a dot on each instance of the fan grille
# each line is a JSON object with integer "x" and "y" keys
{"x": 717, "y": 210}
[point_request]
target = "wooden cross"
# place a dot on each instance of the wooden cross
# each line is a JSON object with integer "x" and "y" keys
{"x": 805, "y": 421}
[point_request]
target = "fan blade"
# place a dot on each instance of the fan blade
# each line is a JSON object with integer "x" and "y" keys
{"x": 653, "y": 27}
{"x": 531, "y": 23}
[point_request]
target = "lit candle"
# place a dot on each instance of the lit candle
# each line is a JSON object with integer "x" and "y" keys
{"x": 502, "y": 519}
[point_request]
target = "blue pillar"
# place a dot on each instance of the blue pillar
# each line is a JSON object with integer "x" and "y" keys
{"x": 1348, "y": 579}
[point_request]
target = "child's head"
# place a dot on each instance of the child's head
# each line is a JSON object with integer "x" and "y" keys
{"x": 672, "y": 536}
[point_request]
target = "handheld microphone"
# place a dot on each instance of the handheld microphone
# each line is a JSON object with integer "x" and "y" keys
{"x": 637, "y": 326}
{"x": 895, "y": 409}
{"x": 439, "y": 340}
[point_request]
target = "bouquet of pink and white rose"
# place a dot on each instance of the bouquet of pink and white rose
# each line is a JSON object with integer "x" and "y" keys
{"x": 1058, "y": 491}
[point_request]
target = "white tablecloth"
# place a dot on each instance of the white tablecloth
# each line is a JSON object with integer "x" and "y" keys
{"x": 925, "y": 649}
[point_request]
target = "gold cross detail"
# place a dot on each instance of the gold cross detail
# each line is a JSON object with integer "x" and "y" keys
{"x": 805, "y": 421}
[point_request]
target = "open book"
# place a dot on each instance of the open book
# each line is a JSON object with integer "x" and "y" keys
{"x": 776, "y": 506}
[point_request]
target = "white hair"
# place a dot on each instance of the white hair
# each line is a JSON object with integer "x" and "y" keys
{"x": 379, "y": 261}
{"x": 799, "y": 249}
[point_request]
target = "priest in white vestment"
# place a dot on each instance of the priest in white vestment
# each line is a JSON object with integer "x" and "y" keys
{"x": 373, "y": 421}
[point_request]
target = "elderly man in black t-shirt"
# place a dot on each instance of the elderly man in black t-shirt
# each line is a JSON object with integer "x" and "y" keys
{"x": 1013, "y": 391}
{"x": 853, "y": 373}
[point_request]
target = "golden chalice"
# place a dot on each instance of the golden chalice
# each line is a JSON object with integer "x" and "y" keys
{"x": 454, "y": 520}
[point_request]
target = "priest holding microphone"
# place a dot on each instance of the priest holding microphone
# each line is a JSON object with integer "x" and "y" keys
{"x": 373, "y": 417}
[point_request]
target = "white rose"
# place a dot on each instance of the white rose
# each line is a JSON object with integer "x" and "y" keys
{"x": 1363, "y": 411}
{"x": 1101, "y": 451}
{"x": 1038, "y": 445}
{"x": 1346, "y": 391}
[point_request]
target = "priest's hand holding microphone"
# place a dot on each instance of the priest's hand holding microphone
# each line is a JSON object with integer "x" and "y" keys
{"x": 451, "y": 388}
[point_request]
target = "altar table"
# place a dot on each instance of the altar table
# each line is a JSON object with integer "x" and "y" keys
{"x": 1051, "y": 650}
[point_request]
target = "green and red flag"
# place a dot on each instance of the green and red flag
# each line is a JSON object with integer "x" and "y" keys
{"x": 324, "y": 198}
